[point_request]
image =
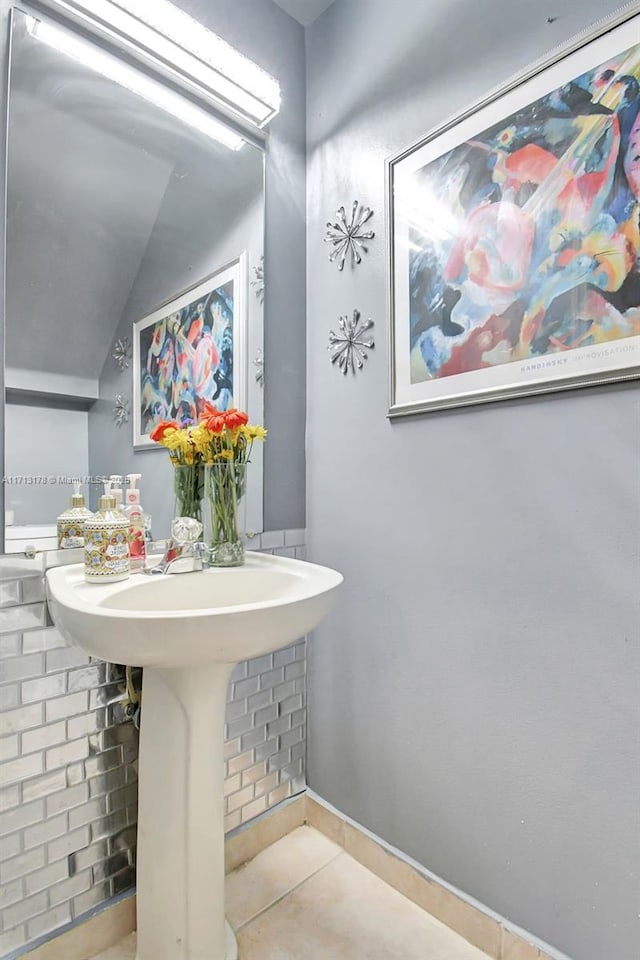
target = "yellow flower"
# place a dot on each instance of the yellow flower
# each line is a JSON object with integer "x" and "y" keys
{"x": 200, "y": 444}
{"x": 201, "y": 439}
{"x": 176, "y": 440}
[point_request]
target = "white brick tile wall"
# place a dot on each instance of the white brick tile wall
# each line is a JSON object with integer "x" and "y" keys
{"x": 68, "y": 800}
{"x": 43, "y": 786}
{"x": 51, "y": 920}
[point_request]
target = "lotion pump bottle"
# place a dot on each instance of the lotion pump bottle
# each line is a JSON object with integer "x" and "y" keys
{"x": 116, "y": 490}
{"x": 71, "y": 522}
{"x": 106, "y": 548}
{"x": 137, "y": 543}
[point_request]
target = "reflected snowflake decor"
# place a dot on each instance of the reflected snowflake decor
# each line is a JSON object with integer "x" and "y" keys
{"x": 258, "y": 281}
{"x": 122, "y": 352}
{"x": 121, "y": 410}
{"x": 347, "y": 236}
{"x": 259, "y": 365}
{"x": 347, "y": 348}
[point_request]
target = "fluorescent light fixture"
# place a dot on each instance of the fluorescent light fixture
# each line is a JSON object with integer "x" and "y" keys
{"x": 135, "y": 81}
{"x": 175, "y": 38}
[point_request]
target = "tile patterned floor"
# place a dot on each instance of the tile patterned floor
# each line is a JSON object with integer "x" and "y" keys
{"x": 305, "y": 899}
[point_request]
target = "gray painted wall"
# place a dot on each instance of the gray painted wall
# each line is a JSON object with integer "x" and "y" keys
{"x": 474, "y": 699}
{"x": 275, "y": 42}
{"x": 44, "y": 442}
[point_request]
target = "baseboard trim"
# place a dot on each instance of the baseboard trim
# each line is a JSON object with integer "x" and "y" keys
{"x": 91, "y": 936}
{"x": 246, "y": 842}
{"x": 478, "y": 924}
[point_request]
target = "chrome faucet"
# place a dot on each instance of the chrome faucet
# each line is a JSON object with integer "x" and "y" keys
{"x": 185, "y": 553}
{"x": 181, "y": 558}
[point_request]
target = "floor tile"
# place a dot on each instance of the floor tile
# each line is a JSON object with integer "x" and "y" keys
{"x": 475, "y": 926}
{"x": 344, "y": 912}
{"x": 255, "y": 886}
{"x": 125, "y": 950}
{"x": 304, "y": 897}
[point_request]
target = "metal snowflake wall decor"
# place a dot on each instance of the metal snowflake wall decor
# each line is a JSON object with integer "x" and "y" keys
{"x": 348, "y": 348}
{"x": 347, "y": 236}
{"x": 258, "y": 281}
{"x": 259, "y": 365}
{"x": 121, "y": 410}
{"x": 122, "y": 352}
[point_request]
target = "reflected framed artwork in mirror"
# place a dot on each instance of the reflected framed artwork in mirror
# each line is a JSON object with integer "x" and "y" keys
{"x": 191, "y": 350}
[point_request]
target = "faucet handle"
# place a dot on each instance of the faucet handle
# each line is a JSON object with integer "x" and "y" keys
{"x": 186, "y": 530}
{"x": 201, "y": 550}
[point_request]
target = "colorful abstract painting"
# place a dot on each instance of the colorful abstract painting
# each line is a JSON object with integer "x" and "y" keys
{"x": 520, "y": 245}
{"x": 186, "y": 353}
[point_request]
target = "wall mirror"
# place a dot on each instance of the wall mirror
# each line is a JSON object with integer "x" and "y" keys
{"x": 125, "y": 201}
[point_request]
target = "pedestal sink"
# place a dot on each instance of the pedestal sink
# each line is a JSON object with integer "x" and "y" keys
{"x": 188, "y": 631}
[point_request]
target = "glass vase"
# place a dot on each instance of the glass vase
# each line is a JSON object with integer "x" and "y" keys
{"x": 188, "y": 488}
{"x": 224, "y": 484}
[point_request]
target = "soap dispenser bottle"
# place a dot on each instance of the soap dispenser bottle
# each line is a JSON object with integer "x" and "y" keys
{"x": 71, "y": 522}
{"x": 137, "y": 523}
{"x": 116, "y": 490}
{"x": 106, "y": 548}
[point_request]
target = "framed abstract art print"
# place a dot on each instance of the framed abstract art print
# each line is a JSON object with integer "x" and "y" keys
{"x": 514, "y": 235}
{"x": 191, "y": 349}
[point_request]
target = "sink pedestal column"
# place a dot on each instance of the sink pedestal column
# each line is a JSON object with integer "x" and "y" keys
{"x": 180, "y": 885}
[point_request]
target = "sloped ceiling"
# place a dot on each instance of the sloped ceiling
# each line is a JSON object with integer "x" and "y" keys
{"x": 90, "y": 164}
{"x": 304, "y": 11}
{"x": 81, "y": 207}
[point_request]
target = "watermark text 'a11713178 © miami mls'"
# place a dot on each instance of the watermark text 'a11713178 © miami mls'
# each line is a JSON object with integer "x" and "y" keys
{"x": 32, "y": 479}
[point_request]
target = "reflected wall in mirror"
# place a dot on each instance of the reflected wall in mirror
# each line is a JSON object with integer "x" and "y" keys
{"x": 121, "y": 197}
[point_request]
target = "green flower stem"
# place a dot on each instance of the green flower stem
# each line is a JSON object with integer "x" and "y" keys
{"x": 226, "y": 486}
{"x": 189, "y": 490}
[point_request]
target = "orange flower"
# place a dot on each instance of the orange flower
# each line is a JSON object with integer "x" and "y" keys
{"x": 158, "y": 432}
{"x": 215, "y": 424}
{"x": 229, "y": 419}
{"x": 207, "y": 410}
{"x": 235, "y": 418}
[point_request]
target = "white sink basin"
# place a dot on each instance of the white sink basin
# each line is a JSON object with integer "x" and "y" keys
{"x": 225, "y": 615}
{"x": 188, "y": 631}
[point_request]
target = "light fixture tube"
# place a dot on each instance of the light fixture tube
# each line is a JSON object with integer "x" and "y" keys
{"x": 135, "y": 81}
{"x": 170, "y": 35}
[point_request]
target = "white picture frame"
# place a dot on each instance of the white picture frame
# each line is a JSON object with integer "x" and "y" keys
{"x": 165, "y": 383}
{"x": 452, "y": 341}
